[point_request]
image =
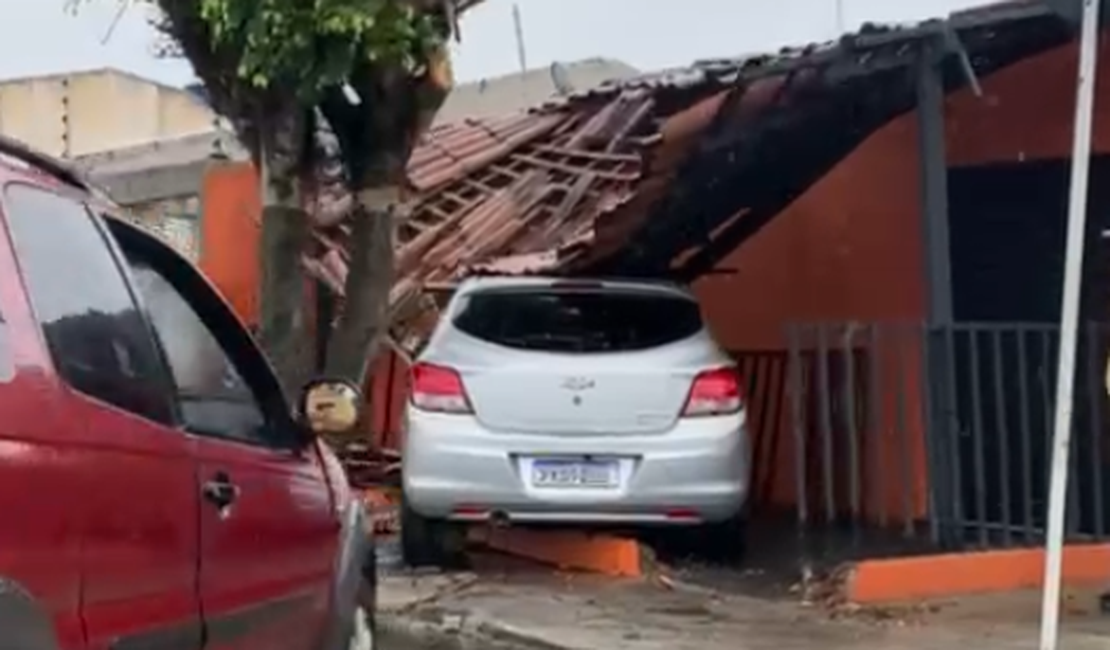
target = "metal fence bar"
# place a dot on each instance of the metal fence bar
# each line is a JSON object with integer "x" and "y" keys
{"x": 981, "y": 399}
{"x": 953, "y": 432}
{"x": 1003, "y": 434}
{"x": 759, "y": 392}
{"x": 1026, "y": 435}
{"x": 773, "y": 405}
{"x": 877, "y": 442}
{"x": 851, "y": 425}
{"x": 978, "y": 438}
{"x": 1048, "y": 400}
{"x": 1047, "y": 396}
{"x": 748, "y": 366}
{"x": 797, "y": 424}
{"x": 934, "y": 445}
{"x": 997, "y": 527}
{"x": 1094, "y": 407}
{"x": 825, "y": 407}
{"x": 903, "y": 434}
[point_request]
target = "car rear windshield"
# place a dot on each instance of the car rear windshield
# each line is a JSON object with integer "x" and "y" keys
{"x": 550, "y": 320}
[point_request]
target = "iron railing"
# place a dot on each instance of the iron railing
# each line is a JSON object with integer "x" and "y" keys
{"x": 941, "y": 431}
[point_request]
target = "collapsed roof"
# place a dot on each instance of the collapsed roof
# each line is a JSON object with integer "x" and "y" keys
{"x": 662, "y": 174}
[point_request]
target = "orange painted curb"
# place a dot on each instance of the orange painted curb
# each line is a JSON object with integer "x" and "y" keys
{"x": 932, "y": 576}
{"x": 604, "y": 554}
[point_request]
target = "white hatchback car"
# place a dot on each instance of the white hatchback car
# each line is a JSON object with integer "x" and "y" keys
{"x": 541, "y": 400}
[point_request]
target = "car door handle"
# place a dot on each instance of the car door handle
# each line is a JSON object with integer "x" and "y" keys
{"x": 220, "y": 491}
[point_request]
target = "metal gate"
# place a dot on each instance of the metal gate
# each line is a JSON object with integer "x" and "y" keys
{"x": 943, "y": 432}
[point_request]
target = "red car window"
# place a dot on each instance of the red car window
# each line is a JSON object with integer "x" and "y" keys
{"x": 97, "y": 337}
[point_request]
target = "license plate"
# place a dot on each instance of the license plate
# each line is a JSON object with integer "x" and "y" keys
{"x": 574, "y": 474}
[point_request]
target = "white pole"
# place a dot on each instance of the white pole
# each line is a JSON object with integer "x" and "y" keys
{"x": 521, "y": 49}
{"x": 1069, "y": 324}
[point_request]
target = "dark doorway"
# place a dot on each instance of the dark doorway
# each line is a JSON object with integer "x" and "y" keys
{"x": 1008, "y": 225}
{"x": 1008, "y": 230}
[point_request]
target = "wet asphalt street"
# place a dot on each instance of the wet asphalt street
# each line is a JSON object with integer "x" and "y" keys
{"x": 389, "y": 561}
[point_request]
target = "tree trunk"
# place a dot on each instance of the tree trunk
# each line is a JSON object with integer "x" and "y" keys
{"x": 376, "y": 138}
{"x": 283, "y": 329}
{"x": 364, "y": 320}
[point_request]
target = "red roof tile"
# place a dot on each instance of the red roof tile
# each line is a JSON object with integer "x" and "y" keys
{"x": 452, "y": 151}
{"x": 515, "y": 195}
{"x": 566, "y": 184}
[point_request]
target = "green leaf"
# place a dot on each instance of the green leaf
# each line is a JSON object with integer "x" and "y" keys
{"x": 302, "y": 47}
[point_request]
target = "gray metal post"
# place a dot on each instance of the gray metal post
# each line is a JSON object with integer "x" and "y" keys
{"x": 934, "y": 181}
{"x": 938, "y": 282}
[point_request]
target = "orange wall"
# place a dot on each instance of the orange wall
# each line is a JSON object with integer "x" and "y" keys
{"x": 388, "y": 391}
{"x": 1026, "y": 112}
{"x": 850, "y": 248}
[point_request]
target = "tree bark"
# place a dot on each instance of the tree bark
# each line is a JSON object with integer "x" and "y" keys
{"x": 364, "y": 320}
{"x": 377, "y": 139}
{"x": 283, "y": 329}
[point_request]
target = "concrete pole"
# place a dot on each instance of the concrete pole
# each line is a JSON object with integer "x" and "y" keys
{"x": 1069, "y": 324}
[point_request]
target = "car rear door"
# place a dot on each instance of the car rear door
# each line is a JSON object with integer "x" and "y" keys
{"x": 269, "y": 531}
{"x": 117, "y": 480}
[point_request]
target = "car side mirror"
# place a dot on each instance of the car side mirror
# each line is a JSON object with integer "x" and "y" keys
{"x": 330, "y": 406}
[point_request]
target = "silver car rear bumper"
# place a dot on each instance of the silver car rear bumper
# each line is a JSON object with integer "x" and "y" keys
{"x": 454, "y": 469}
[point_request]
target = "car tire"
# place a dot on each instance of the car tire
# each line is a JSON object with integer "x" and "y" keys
{"x": 726, "y": 541}
{"x": 431, "y": 542}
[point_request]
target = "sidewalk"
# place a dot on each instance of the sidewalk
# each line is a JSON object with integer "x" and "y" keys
{"x": 548, "y": 611}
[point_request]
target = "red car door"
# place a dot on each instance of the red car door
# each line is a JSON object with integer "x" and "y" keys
{"x": 121, "y": 488}
{"x": 267, "y": 557}
{"x": 269, "y": 530}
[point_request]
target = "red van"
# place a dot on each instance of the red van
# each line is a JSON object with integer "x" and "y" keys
{"x": 158, "y": 491}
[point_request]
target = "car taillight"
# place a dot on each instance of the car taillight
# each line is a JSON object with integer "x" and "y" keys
{"x": 714, "y": 392}
{"x": 436, "y": 388}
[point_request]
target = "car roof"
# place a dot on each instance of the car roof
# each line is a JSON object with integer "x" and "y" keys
{"x": 20, "y": 163}
{"x": 483, "y": 283}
